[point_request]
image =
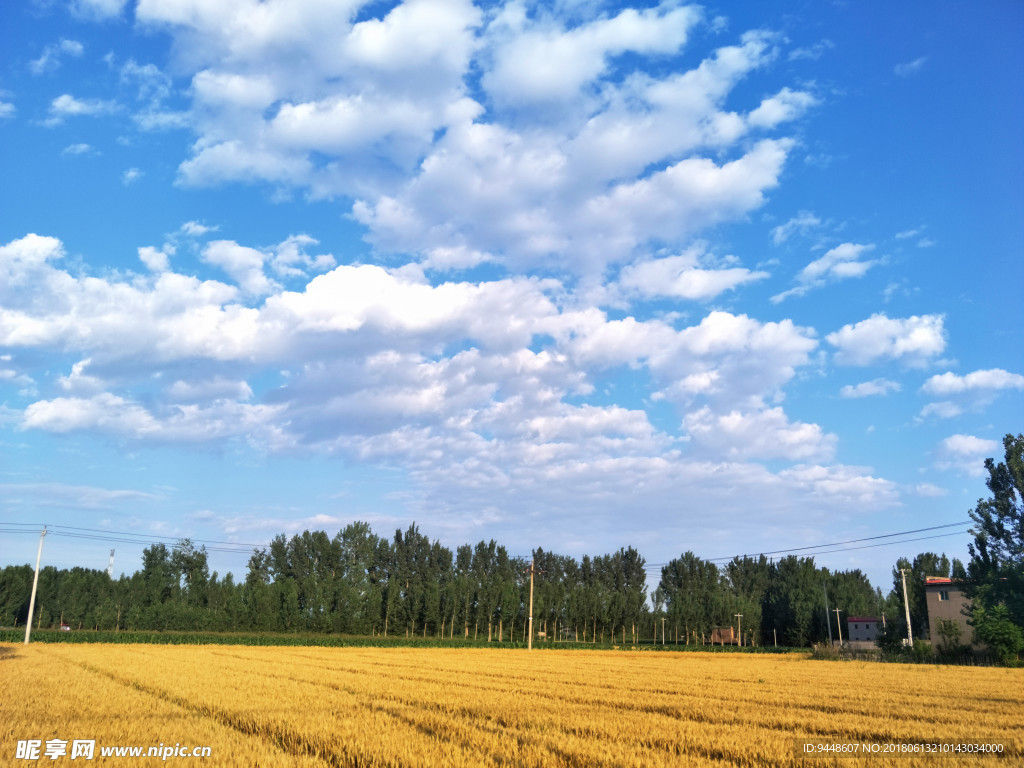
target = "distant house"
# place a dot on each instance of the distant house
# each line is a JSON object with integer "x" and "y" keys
{"x": 862, "y": 631}
{"x": 945, "y": 599}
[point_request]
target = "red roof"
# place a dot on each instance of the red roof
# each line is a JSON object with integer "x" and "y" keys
{"x": 937, "y": 580}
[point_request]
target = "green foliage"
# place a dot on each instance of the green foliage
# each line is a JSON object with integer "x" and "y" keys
{"x": 922, "y": 652}
{"x": 995, "y": 628}
{"x": 996, "y": 569}
{"x": 891, "y": 640}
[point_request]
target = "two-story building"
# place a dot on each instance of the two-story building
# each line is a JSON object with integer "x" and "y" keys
{"x": 862, "y": 631}
{"x": 945, "y": 599}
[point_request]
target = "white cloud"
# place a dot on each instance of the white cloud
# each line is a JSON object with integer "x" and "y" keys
{"x": 7, "y": 109}
{"x": 59, "y": 495}
{"x": 66, "y": 105}
{"x": 50, "y": 60}
{"x": 812, "y": 52}
{"x": 542, "y": 62}
{"x": 966, "y": 454}
{"x": 802, "y": 224}
{"x": 766, "y": 434}
{"x": 98, "y": 9}
{"x": 876, "y": 387}
{"x": 156, "y": 260}
{"x": 78, "y": 149}
{"x": 908, "y": 68}
{"x": 550, "y": 165}
{"x": 993, "y": 379}
{"x": 113, "y": 414}
{"x": 784, "y": 106}
{"x": 839, "y": 263}
{"x": 682, "y": 277}
{"x": 196, "y": 229}
{"x": 131, "y": 175}
{"x": 930, "y": 490}
{"x": 841, "y": 484}
{"x": 913, "y": 341}
{"x": 941, "y": 410}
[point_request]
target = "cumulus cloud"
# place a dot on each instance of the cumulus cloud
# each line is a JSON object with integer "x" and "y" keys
{"x": 538, "y": 61}
{"x": 913, "y": 341}
{"x": 965, "y": 454}
{"x": 803, "y": 223}
{"x": 461, "y": 146}
{"x": 874, "y": 388}
{"x": 50, "y": 60}
{"x": 683, "y": 277}
{"x": 78, "y": 149}
{"x": 767, "y": 434}
{"x": 941, "y": 410}
{"x": 990, "y": 380}
{"x": 840, "y": 263}
{"x": 156, "y": 260}
{"x": 66, "y": 105}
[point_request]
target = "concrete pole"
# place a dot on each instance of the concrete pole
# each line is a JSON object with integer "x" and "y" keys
{"x": 739, "y": 617}
{"x": 906, "y": 604}
{"x": 840, "y": 628}
{"x": 35, "y": 586}
{"x": 529, "y": 642}
{"x": 828, "y": 619}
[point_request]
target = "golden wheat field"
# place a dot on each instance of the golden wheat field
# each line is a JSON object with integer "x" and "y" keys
{"x": 276, "y": 706}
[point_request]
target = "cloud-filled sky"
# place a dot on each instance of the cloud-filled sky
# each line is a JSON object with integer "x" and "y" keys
{"x": 570, "y": 275}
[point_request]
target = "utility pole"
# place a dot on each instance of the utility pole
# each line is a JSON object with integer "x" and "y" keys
{"x": 828, "y": 621}
{"x": 840, "y": 627}
{"x": 529, "y": 641}
{"x": 739, "y": 616}
{"x": 906, "y": 604}
{"x": 662, "y": 630}
{"x": 35, "y": 586}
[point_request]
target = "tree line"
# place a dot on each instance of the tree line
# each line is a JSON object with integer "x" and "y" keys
{"x": 359, "y": 583}
{"x": 356, "y": 582}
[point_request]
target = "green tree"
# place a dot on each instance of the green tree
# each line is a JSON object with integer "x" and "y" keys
{"x": 994, "y": 628}
{"x": 996, "y": 569}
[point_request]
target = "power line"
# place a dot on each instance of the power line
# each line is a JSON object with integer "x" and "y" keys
{"x": 840, "y": 543}
{"x": 132, "y": 538}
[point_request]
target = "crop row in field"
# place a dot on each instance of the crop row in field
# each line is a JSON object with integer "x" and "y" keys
{"x": 406, "y": 707}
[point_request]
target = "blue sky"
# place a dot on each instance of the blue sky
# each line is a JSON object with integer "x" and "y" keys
{"x": 570, "y": 275}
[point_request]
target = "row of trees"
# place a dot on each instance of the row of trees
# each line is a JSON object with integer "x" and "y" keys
{"x": 359, "y": 583}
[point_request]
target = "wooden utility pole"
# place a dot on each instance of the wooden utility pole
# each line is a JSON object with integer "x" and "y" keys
{"x": 739, "y": 627}
{"x": 662, "y": 630}
{"x": 906, "y": 604}
{"x": 35, "y": 586}
{"x": 840, "y": 627}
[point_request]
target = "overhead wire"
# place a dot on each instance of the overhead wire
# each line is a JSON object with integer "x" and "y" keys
{"x": 229, "y": 547}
